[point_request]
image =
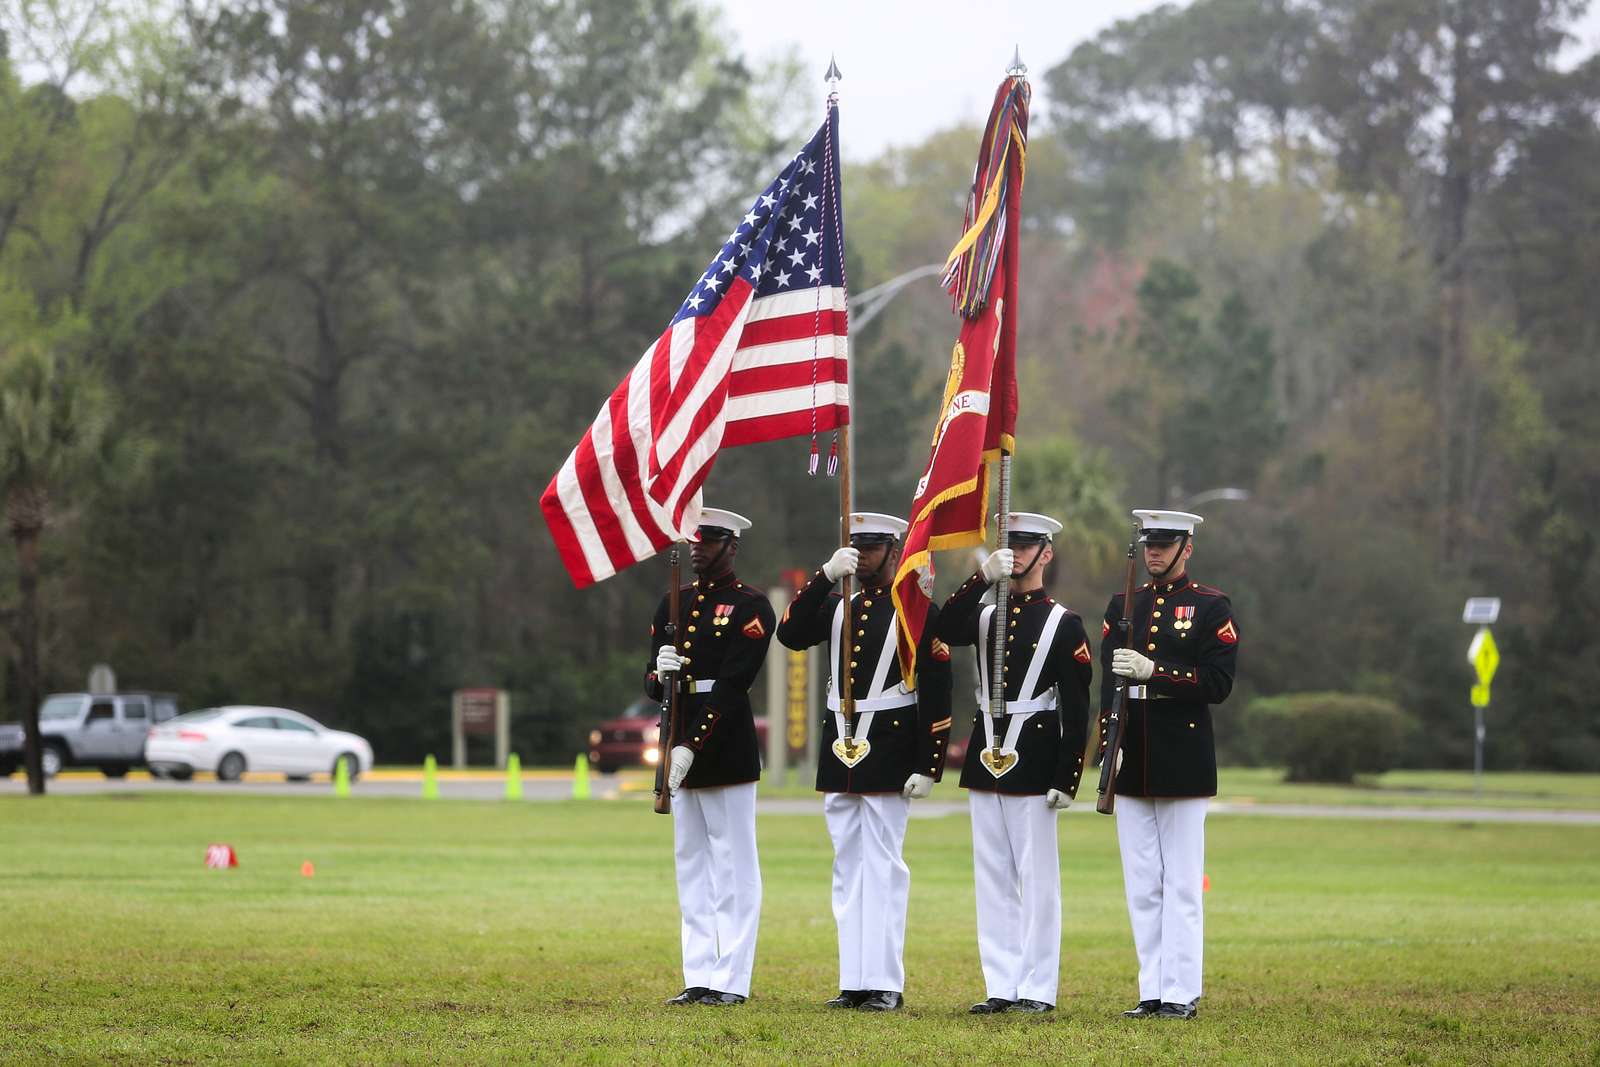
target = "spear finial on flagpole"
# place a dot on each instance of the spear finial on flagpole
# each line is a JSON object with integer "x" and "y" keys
{"x": 844, "y": 463}
{"x": 1017, "y": 69}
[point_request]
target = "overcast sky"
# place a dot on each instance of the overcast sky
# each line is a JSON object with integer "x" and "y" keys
{"x": 915, "y": 66}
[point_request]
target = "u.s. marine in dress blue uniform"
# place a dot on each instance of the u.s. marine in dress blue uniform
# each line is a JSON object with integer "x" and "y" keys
{"x": 725, "y": 628}
{"x": 1178, "y": 661}
{"x": 1020, "y": 771}
{"x": 895, "y": 751}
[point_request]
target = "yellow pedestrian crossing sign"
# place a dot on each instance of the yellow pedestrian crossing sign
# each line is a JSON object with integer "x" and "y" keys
{"x": 1484, "y": 655}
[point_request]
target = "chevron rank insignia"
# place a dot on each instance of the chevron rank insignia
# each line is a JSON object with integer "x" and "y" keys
{"x": 1227, "y": 634}
{"x": 754, "y": 630}
{"x": 1105, "y": 627}
{"x": 1081, "y": 653}
{"x": 941, "y": 651}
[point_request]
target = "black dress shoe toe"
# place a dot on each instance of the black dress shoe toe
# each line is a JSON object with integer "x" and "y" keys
{"x": 1143, "y": 1010}
{"x": 848, "y": 998}
{"x": 1168, "y": 1010}
{"x": 1031, "y": 1007}
{"x": 883, "y": 1000}
{"x": 690, "y": 995}
{"x": 717, "y": 998}
{"x": 992, "y": 1006}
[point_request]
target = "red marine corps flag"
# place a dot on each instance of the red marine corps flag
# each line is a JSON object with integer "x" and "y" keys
{"x": 756, "y": 352}
{"x": 978, "y": 415}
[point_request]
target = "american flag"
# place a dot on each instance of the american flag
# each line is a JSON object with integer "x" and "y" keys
{"x": 756, "y": 352}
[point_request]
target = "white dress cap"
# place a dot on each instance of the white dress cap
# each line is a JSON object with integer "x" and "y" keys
{"x": 727, "y": 520}
{"x": 1028, "y": 522}
{"x": 1168, "y": 521}
{"x": 872, "y": 522}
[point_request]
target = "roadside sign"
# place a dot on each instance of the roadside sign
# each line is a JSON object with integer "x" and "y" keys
{"x": 1484, "y": 655}
{"x": 797, "y": 690}
{"x": 477, "y": 709}
{"x": 475, "y": 712}
{"x": 102, "y": 680}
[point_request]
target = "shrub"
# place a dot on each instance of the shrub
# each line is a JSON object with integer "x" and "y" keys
{"x": 1329, "y": 737}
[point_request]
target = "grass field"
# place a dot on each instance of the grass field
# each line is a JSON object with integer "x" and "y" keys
{"x": 1399, "y": 789}
{"x": 467, "y": 931}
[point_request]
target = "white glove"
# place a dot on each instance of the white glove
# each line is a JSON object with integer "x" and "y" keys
{"x": 1131, "y": 664}
{"x": 682, "y": 758}
{"x": 1056, "y": 800}
{"x": 667, "y": 660}
{"x": 997, "y": 565}
{"x": 841, "y": 563}
{"x": 917, "y": 787}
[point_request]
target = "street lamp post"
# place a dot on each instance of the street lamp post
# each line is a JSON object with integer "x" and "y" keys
{"x": 864, "y": 307}
{"x": 1206, "y": 496}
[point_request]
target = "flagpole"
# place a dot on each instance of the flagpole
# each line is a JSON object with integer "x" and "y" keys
{"x": 847, "y": 500}
{"x": 997, "y": 681}
{"x": 1002, "y": 590}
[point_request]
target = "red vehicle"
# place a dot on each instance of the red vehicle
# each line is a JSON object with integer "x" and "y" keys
{"x": 633, "y": 739}
{"x": 956, "y": 754}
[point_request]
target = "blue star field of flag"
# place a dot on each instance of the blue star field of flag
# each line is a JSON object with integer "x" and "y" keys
{"x": 790, "y": 238}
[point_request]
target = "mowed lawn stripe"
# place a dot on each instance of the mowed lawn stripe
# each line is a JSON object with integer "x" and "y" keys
{"x": 460, "y": 931}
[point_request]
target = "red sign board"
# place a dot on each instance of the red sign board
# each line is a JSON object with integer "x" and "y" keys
{"x": 477, "y": 711}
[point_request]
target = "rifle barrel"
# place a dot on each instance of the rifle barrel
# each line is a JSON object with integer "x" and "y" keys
{"x": 1106, "y": 802}
{"x": 669, "y": 694}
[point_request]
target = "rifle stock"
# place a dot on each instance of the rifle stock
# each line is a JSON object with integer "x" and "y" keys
{"x": 1106, "y": 802}
{"x": 669, "y": 693}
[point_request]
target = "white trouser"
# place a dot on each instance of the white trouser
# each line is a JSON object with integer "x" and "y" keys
{"x": 871, "y": 884}
{"x": 1163, "y": 842}
{"x": 719, "y": 884}
{"x": 1017, "y": 869}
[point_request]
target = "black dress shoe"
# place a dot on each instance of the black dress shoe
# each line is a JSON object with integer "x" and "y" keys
{"x": 715, "y": 997}
{"x": 882, "y": 1000}
{"x": 1031, "y": 1007}
{"x": 690, "y": 995}
{"x": 1168, "y": 1010}
{"x": 848, "y": 998}
{"x": 992, "y": 1006}
{"x": 1143, "y": 1010}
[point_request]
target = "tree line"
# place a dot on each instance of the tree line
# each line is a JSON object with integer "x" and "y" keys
{"x": 301, "y": 306}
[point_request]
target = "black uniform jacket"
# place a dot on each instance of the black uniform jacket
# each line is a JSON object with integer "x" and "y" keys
{"x": 903, "y": 741}
{"x": 724, "y": 629}
{"x": 1168, "y": 749}
{"x": 1050, "y": 745}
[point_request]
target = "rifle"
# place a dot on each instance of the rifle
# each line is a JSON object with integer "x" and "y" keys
{"x": 669, "y": 692}
{"x": 1106, "y": 802}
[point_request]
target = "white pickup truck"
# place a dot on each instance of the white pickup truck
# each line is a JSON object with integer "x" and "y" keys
{"x": 105, "y": 731}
